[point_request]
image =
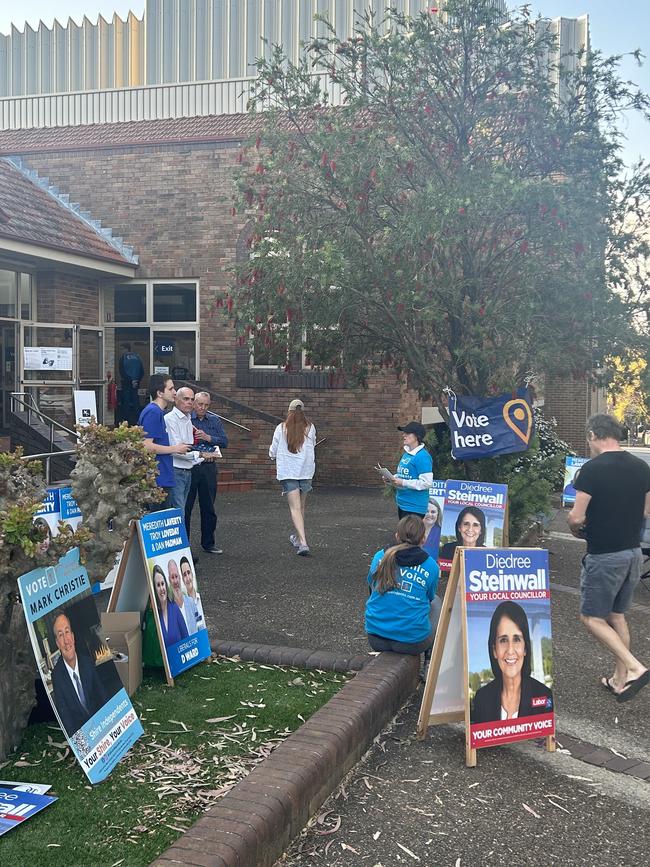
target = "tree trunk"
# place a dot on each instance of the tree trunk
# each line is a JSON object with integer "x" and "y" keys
{"x": 17, "y": 669}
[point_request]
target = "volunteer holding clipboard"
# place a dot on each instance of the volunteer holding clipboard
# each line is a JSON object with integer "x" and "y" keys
{"x": 414, "y": 474}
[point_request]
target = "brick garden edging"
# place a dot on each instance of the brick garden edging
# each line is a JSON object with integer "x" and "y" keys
{"x": 252, "y": 825}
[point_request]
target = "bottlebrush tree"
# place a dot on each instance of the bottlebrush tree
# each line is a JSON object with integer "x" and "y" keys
{"x": 453, "y": 218}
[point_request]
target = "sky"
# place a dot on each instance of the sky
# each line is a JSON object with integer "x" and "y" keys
{"x": 616, "y": 28}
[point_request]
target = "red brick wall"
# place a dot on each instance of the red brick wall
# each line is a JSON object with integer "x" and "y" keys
{"x": 67, "y": 298}
{"x": 569, "y": 401}
{"x": 172, "y": 203}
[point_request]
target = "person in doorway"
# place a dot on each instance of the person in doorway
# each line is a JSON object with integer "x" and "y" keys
{"x": 612, "y": 497}
{"x": 209, "y": 435}
{"x": 78, "y": 693}
{"x": 470, "y": 532}
{"x": 402, "y": 610}
{"x": 178, "y": 422}
{"x": 513, "y": 693}
{"x": 414, "y": 474}
{"x": 293, "y": 450}
{"x": 156, "y": 439}
{"x": 131, "y": 372}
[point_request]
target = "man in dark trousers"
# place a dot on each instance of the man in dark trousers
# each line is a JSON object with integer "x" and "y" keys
{"x": 612, "y": 497}
{"x": 78, "y": 693}
{"x": 209, "y": 434}
{"x": 131, "y": 373}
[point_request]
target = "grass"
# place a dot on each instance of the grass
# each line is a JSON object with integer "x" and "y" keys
{"x": 201, "y": 736}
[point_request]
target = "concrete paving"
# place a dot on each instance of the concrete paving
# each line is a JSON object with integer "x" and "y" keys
{"x": 419, "y": 794}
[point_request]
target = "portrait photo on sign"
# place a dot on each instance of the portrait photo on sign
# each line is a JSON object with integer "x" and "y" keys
{"x": 474, "y": 517}
{"x": 509, "y": 645}
{"x": 75, "y": 662}
{"x": 177, "y": 601}
{"x": 433, "y": 518}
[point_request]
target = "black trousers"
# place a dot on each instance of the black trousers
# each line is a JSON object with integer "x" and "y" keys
{"x": 204, "y": 483}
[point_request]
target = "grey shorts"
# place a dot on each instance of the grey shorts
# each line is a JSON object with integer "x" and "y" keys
{"x": 302, "y": 485}
{"x": 608, "y": 582}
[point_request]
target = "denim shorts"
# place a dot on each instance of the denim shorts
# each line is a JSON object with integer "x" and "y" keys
{"x": 608, "y": 582}
{"x": 302, "y": 485}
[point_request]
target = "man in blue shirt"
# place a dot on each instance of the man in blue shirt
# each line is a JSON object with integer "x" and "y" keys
{"x": 156, "y": 439}
{"x": 209, "y": 434}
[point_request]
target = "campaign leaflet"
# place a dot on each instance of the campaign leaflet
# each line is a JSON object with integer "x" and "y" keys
{"x": 17, "y": 805}
{"x": 571, "y": 469}
{"x": 177, "y": 607}
{"x": 76, "y": 665}
{"x": 509, "y": 644}
{"x": 433, "y": 518}
{"x": 473, "y": 517}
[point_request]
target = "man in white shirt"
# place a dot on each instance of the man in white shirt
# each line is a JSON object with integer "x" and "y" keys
{"x": 179, "y": 426}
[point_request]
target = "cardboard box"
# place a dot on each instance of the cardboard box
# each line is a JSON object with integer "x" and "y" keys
{"x": 124, "y": 634}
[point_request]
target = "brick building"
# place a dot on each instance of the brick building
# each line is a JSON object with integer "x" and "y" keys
{"x": 150, "y": 155}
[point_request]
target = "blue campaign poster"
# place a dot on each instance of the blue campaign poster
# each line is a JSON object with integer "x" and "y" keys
{"x": 50, "y": 511}
{"x": 572, "y": 467}
{"x": 76, "y": 665}
{"x": 70, "y": 511}
{"x": 173, "y": 588}
{"x": 16, "y": 806}
{"x": 474, "y": 516}
{"x": 509, "y": 644}
{"x": 433, "y": 518}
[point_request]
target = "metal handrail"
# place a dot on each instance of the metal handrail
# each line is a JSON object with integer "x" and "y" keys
{"x": 31, "y": 407}
{"x": 229, "y": 420}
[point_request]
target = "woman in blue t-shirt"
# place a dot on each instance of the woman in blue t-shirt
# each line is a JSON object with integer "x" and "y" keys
{"x": 402, "y": 610}
{"x": 414, "y": 474}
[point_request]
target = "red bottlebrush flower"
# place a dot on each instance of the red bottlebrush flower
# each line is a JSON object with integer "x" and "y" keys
{"x": 373, "y": 175}
{"x": 241, "y": 340}
{"x": 333, "y": 167}
{"x": 281, "y": 289}
{"x": 289, "y": 314}
{"x": 579, "y": 249}
{"x": 554, "y": 212}
{"x": 219, "y": 302}
{"x": 481, "y": 311}
{"x": 400, "y": 308}
{"x": 258, "y": 142}
{"x": 240, "y": 157}
{"x": 543, "y": 209}
{"x": 523, "y": 247}
{"x": 233, "y": 212}
{"x": 287, "y": 367}
{"x": 229, "y": 303}
{"x": 461, "y": 210}
{"x": 259, "y": 169}
{"x": 428, "y": 110}
{"x": 324, "y": 159}
{"x": 248, "y": 196}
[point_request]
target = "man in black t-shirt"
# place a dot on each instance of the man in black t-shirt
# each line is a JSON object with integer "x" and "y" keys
{"x": 612, "y": 496}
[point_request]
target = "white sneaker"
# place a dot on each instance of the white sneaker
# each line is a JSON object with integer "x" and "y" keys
{"x": 294, "y": 541}
{"x": 302, "y": 550}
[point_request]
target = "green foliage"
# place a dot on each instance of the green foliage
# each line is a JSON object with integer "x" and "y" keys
{"x": 547, "y": 657}
{"x": 113, "y": 482}
{"x": 452, "y": 219}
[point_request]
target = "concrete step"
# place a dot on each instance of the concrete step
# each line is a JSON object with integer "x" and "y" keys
{"x": 226, "y": 476}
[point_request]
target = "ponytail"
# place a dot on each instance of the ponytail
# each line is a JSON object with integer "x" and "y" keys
{"x": 410, "y": 532}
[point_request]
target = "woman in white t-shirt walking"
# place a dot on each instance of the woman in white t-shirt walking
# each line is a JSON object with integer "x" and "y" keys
{"x": 292, "y": 450}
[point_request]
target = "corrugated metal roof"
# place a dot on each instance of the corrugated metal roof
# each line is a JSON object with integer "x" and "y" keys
{"x": 33, "y": 212}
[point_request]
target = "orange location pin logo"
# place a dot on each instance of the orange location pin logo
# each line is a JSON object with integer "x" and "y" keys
{"x": 518, "y": 417}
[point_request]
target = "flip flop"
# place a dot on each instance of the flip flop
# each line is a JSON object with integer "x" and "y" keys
{"x": 606, "y": 683}
{"x": 633, "y": 686}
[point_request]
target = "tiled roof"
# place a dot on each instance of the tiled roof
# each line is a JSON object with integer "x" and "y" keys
{"x": 32, "y": 212}
{"x": 222, "y": 127}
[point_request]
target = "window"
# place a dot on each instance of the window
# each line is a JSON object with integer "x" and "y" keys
{"x": 26, "y": 296}
{"x": 8, "y": 294}
{"x": 174, "y": 302}
{"x": 269, "y": 348}
{"x": 311, "y": 340}
{"x": 130, "y": 303}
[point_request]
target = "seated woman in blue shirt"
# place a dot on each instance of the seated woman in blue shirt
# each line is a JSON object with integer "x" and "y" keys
{"x": 402, "y": 609}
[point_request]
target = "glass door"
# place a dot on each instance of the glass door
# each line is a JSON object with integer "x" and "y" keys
{"x": 8, "y": 373}
{"x": 174, "y": 353}
{"x": 89, "y": 366}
